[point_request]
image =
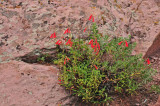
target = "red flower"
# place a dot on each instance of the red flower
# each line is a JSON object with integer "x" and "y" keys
{"x": 95, "y": 46}
{"x": 68, "y": 59}
{"x": 67, "y": 31}
{"x": 93, "y": 19}
{"x": 91, "y": 42}
{"x": 98, "y": 50}
{"x": 65, "y": 60}
{"x": 85, "y": 30}
{"x": 69, "y": 42}
{"x": 53, "y": 35}
{"x": 58, "y": 42}
{"x": 120, "y": 43}
{"x": 126, "y": 43}
{"x": 95, "y": 67}
{"x": 92, "y": 46}
{"x": 148, "y": 62}
{"x": 90, "y": 18}
{"x": 60, "y": 81}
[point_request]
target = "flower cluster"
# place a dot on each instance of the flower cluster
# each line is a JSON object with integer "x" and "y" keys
{"x": 95, "y": 78}
{"x": 95, "y": 46}
{"x": 68, "y": 31}
{"x": 125, "y": 42}
{"x": 69, "y": 42}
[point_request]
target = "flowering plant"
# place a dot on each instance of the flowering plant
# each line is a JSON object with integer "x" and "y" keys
{"x": 95, "y": 68}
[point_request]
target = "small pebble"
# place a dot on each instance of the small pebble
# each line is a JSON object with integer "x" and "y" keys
{"x": 30, "y": 93}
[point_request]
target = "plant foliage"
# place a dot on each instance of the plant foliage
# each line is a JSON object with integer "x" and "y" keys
{"x": 94, "y": 77}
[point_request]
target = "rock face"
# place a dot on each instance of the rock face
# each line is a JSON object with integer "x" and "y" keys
{"x": 26, "y": 25}
{"x": 154, "y": 48}
{"x": 31, "y": 85}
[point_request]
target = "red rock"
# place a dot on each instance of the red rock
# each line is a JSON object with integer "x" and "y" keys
{"x": 154, "y": 48}
{"x": 158, "y": 102}
{"x": 30, "y": 84}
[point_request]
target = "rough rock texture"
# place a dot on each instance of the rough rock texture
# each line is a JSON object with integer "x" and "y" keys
{"x": 26, "y": 25}
{"x": 158, "y": 102}
{"x": 154, "y": 48}
{"x": 25, "y": 84}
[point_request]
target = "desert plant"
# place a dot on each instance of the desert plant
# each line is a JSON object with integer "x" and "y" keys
{"x": 98, "y": 67}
